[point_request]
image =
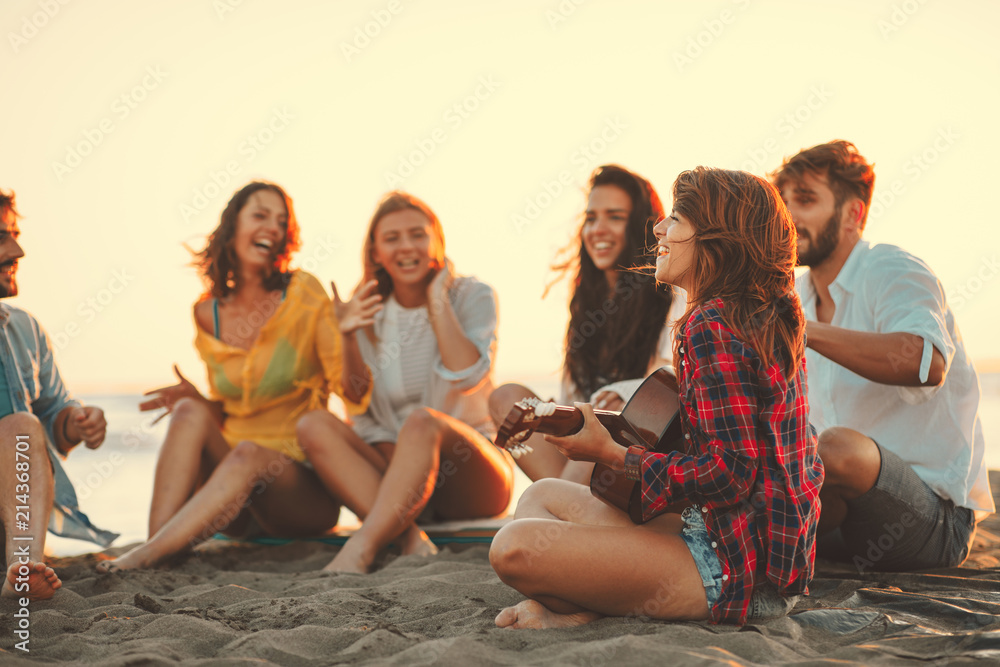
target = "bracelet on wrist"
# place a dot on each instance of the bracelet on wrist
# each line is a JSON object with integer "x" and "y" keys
{"x": 633, "y": 463}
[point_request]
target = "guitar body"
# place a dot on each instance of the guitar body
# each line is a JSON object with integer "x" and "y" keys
{"x": 650, "y": 419}
{"x": 653, "y": 415}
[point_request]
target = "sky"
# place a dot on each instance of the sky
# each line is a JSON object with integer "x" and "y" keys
{"x": 127, "y": 126}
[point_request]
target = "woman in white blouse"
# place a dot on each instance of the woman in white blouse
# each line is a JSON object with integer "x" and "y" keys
{"x": 426, "y": 439}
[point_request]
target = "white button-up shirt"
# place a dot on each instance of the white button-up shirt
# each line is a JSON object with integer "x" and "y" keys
{"x": 937, "y": 430}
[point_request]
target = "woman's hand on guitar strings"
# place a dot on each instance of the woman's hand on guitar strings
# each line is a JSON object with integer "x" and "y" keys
{"x": 591, "y": 443}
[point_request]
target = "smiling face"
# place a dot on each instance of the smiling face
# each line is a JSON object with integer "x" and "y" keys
{"x": 408, "y": 248}
{"x": 261, "y": 226}
{"x": 816, "y": 215}
{"x": 604, "y": 226}
{"x": 675, "y": 251}
{"x": 10, "y": 252}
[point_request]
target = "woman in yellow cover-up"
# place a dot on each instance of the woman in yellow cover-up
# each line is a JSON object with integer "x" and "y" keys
{"x": 275, "y": 347}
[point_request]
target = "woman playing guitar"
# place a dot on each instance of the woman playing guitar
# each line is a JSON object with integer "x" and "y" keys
{"x": 745, "y": 546}
{"x": 619, "y": 323}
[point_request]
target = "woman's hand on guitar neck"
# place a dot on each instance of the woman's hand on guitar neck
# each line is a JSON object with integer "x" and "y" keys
{"x": 591, "y": 443}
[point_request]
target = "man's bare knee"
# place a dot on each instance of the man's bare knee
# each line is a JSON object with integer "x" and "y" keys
{"x": 22, "y": 423}
{"x": 847, "y": 455}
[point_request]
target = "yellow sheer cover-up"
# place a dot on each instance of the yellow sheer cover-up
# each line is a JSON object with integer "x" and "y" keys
{"x": 289, "y": 370}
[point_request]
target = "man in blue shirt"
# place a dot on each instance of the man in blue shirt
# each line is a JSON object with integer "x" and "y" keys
{"x": 39, "y": 422}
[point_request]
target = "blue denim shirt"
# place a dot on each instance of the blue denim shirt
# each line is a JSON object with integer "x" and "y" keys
{"x": 36, "y": 387}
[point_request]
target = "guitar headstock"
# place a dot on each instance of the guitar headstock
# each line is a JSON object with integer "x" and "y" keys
{"x": 522, "y": 420}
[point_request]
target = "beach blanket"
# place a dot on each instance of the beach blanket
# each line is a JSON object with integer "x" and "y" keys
{"x": 272, "y": 605}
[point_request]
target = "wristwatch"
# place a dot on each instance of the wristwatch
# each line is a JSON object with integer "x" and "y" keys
{"x": 633, "y": 463}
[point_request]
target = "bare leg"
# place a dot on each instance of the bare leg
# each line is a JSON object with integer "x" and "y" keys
{"x": 475, "y": 480}
{"x": 25, "y": 506}
{"x": 574, "y": 573}
{"x": 351, "y": 470}
{"x": 544, "y": 460}
{"x": 853, "y": 463}
{"x": 193, "y": 447}
{"x": 283, "y": 496}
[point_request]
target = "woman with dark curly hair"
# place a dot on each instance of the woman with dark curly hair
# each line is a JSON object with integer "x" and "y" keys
{"x": 618, "y": 329}
{"x": 275, "y": 347}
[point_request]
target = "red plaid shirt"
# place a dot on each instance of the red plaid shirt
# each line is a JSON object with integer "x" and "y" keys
{"x": 753, "y": 469}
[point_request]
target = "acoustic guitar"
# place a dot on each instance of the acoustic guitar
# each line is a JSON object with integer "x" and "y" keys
{"x": 650, "y": 419}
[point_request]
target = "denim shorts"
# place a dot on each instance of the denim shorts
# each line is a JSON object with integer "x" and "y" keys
{"x": 695, "y": 536}
{"x": 765, "y": 601}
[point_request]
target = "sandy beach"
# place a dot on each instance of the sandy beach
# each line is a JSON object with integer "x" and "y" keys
{"x": 236, "y": 604}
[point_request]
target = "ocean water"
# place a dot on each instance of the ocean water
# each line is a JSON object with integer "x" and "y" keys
{"x": 115, "y": 482}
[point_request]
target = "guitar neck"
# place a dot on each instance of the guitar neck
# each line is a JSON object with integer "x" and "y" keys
{"x": 567, "y": 421}
{"x": 564, "y": 421}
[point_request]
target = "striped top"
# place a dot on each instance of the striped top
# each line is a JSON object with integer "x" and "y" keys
{"x": 418, "y": 347}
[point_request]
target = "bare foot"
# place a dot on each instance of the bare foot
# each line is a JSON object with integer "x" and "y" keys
{"x": 130, "y": 560}
{"x": 535, "y": 615}
{"x": 42, "y": 581}
{"x": 416, "y": 543}
{"x": 351, "y": 558}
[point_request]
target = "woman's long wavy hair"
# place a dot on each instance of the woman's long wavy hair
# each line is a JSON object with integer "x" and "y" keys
{"x": 394, "y": 202}
{"x": 218, "y": 264}
{"x": 614, "y": 330}
{"x": 744, "y": 254}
